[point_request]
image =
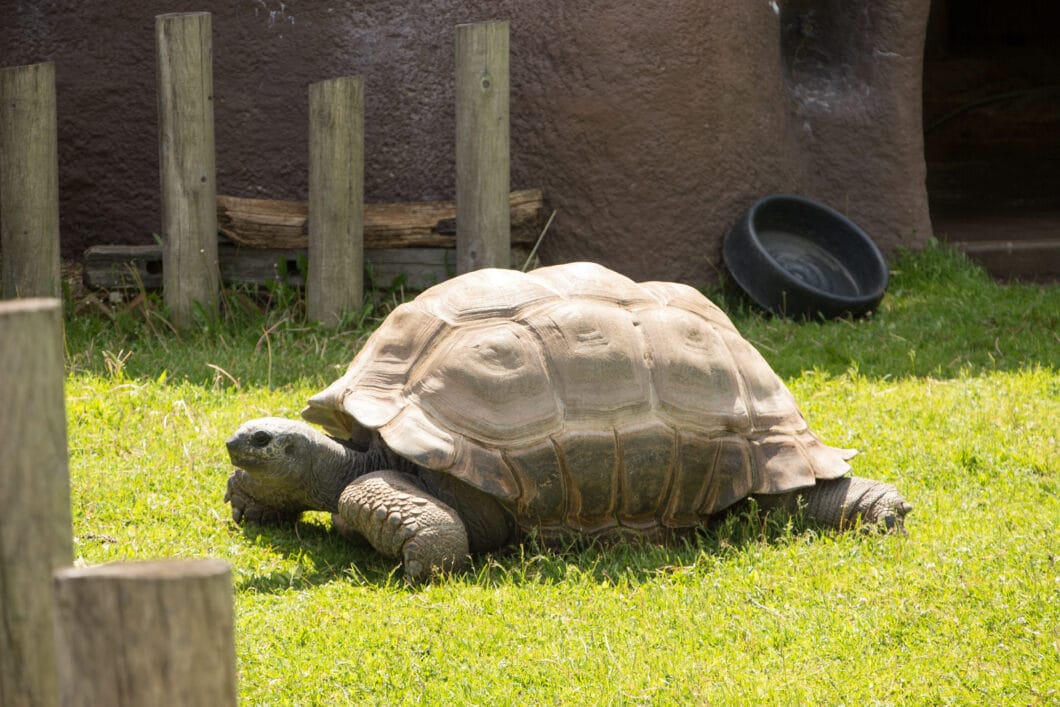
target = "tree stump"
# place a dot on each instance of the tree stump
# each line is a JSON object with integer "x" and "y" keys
{"x": 146, "y": 633}
{"x": 35, "y": 534}
{"x": 29, "y": 182}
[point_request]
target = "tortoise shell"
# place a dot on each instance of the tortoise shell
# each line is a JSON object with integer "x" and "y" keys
{"x": 580, "y": 399}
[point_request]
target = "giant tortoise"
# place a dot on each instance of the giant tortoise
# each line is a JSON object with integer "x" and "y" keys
{"x": 568, "y": 401}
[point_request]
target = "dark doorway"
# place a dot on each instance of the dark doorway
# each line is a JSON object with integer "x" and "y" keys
{"x": 992, "y": 131}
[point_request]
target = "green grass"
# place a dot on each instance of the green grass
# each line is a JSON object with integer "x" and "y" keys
{"x": 951, "y": 391}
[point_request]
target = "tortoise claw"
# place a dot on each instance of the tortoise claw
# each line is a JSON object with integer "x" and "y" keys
{"x": 232, "y": 497}
{"x": 245, "y": 508}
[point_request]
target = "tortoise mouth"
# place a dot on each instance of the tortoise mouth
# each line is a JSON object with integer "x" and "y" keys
{"x": 250, "y": 456}
{"x": 247, "y": 462}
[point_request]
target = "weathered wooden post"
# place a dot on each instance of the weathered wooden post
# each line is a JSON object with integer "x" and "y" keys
{"x": 29, "y": 182}
{"x": 186, "y": 163}
{"x": 146, "y": 633}
{"x": 483, "y": 226}
{"x": 335, "y": 281}
{"x": 35, "y": 532}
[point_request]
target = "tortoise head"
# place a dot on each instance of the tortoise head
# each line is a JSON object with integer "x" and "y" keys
{"x": 284, "y": 467}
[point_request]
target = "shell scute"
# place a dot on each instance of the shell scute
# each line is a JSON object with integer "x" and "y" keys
{"x": 589, "y": 281}
{"x": 772, "y": 406}
{"x": 675, "y": 294}
{"x": 484, "y": 468}
{"x": 595, "y": 359}
{"x": 733, "y": 475}
{"x": 542, "y": 499}
{"x": 368, "y": 394}
{"x": 590, "y": 457}
{"x": 693, "y": 479}
{"x": 489, "y": 294}
{"x": 489, "y": 383}
{"x": 696, "y": 381}
{"x": 647, "y": 463}
{"x": 420, "y": 439}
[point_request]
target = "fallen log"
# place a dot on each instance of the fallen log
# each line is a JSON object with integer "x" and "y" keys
{"x": 269, "y": 223}
{"x": 111, "y": 267}
{"x": 129, "y": 267}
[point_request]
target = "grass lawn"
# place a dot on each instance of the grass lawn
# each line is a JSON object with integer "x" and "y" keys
{"x": 951, "y": 391}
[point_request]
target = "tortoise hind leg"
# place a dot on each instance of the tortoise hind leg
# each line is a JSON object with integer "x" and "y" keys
{"x": 840, "y": 503}
{"x": 398, "y": 518}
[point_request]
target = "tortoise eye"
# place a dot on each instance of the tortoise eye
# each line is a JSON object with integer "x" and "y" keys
{"x": 260, "y": 439}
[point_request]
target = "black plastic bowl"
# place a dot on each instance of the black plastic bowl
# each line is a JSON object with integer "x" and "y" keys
{"x": 801, "y": 259}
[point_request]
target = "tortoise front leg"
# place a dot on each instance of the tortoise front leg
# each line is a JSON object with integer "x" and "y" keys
{"x": 246, "y": 508}
{"x": 400, "y": 519}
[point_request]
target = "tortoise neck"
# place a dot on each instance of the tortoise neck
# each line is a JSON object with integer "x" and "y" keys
{"x": 341, "y": 464}
{"x": 333, "y": 470}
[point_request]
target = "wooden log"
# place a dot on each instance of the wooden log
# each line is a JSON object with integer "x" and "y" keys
{"x": 29, "y": 182}
{"x": 270, "y": 223}
{"x": 336, "y": 199}
{"x": 35, "y": 532}
{"x": 186, "y": 163}
{"x": 482, "y": 150}
{"x": 130, "y": 267}
{"x": 146, "y": 633}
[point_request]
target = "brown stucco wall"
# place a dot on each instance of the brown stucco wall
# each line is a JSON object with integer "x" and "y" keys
{"x": 650, "y": 125}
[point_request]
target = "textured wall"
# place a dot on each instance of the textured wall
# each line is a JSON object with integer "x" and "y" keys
{"x": 650, "y": 125}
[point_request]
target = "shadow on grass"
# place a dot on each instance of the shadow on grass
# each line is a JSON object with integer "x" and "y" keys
{"x": 633, "y": 561}
{"x": 324, "y": 556}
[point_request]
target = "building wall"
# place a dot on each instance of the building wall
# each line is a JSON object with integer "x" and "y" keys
{"x": 651, "y": 126}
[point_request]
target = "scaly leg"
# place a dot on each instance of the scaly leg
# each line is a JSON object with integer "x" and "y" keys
{"x": 839, "y": 503}
{"x": 397, "y": 517}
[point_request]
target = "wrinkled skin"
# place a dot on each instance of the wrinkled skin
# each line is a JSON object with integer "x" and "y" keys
{"x": 286, "y": 467}
{"x": 429, "y": 520}
{"x": 432, "y": 523}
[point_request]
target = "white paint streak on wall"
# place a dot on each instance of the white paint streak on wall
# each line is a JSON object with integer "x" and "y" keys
{"x": 276, "y": 12}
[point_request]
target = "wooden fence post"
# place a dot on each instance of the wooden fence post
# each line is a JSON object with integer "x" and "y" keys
{"x": 186, "y": 164}
{"x": 335, "y": 281}
{"x": 35, "y": 532}
{"x": 29, "y": 182}
{"x": 483, "y": 227}
{"x": 146, "y": 633}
